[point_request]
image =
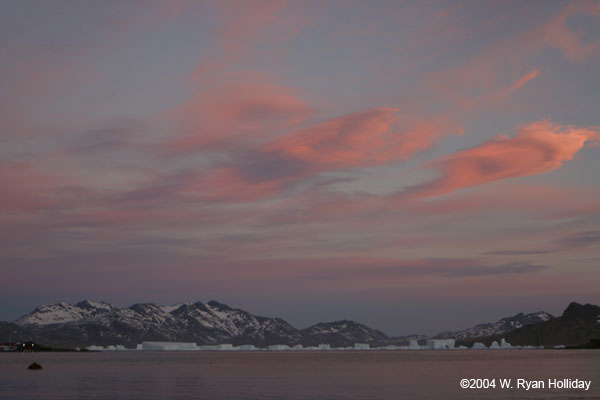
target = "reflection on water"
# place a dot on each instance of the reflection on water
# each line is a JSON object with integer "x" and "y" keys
{"x": 292, "y": 375}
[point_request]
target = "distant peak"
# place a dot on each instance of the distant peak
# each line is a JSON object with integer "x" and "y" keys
{"x": 576, "y": 309}
{"x": 573, "y": 306}
{"x": 216, "y": 304}
{"x": 93, "y": 304}
{"x": 340, "y": 322}
{"x": 173, "y": 307}
{"x": 143, "y": 306}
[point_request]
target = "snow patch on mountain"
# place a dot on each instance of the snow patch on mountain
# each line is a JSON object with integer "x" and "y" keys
{"x": 170, "y": 309}
{"x": 499, "y": 327}
{"x": 90, "y": 322}
{"x": 63, "y": 312}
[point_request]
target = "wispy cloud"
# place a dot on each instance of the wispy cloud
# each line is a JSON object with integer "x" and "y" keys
{"x": 524, "y": 79}
{"x": 233, "y": 114}
{"x": 365, "y": 138}
{"x": 538, "y": 147}
{"x": 572, "y": 241}
{"x": 518, "y": 252}
{"x": 378, "y": 269}
{"x": 556, "y": 32}
{"x": 579, "y": 239}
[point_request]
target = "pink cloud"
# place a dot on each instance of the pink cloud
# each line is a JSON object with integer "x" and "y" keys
{"x": 243, "y": 111}
{"x": 244, "y": 19}
{"x": 240, "y": 25}
{"x": 480, "y": 81}
{"x": 537, "y": 148}
{"x": 547, "y": 202}
{"x": 524, "y": 79}
{"x": 25, "y": 187}
{"x": 493, "y": 96}
{"x": 558, "y": 35}
{"x": 229, "y": 183}
{"x": 360, "y": 139}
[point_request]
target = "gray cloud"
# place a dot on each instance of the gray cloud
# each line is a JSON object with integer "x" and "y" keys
{"x": 581, "y": 239}
{"x": 518, "y": 252}
{"x": 502, "y": 269}
{"x": 451, "y": 268}
{"x": 575, "y": 240}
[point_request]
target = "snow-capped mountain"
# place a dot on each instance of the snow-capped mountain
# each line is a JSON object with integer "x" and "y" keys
{"x": 504, "y": 325}
{"x": 64, "y": 312}
{"x": 88, "y": 322}
{"x": 100, "y": 323}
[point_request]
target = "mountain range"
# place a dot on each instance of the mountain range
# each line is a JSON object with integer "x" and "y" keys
{"x": 500, "y": 327}
{"x": 578, "y": 326}
{"x": 98, "y": 323}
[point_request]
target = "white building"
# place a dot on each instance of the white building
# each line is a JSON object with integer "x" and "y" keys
{"x": 440, "y": 344}
{"x": 324, "y": 346}
{"x": 413, "y": 345}
{"x": 247, "y": 347}
{"x": 361, "y": 346}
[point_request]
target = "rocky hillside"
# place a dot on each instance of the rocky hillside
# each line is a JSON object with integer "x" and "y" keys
{"x": 579, "y": 324}
{"x": 99, "y": 323}
{"x": 498, "y": 328}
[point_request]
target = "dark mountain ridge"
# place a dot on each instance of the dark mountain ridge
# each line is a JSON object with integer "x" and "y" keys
{"x": 500, "y": 327}
{"x": 579, "y": 324}
{"x": 98, "y": 323}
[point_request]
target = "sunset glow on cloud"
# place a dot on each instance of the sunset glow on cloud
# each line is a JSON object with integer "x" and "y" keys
{"x": 364, "y": 138}
{"x": 366, "y": 161}
{"x": 243, "y": 112}
{"x": 538, "y": 147}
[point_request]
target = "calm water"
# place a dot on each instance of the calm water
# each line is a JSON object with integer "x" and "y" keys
{"x": 293, "y": 375}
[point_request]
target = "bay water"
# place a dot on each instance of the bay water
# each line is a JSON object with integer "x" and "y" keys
{"x": 300, "y": 375}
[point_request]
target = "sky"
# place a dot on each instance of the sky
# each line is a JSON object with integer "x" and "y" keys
{"x": 415, "y": 166}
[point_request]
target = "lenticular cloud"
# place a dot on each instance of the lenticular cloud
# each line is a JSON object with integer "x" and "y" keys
{"x": 538, "y": 147}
